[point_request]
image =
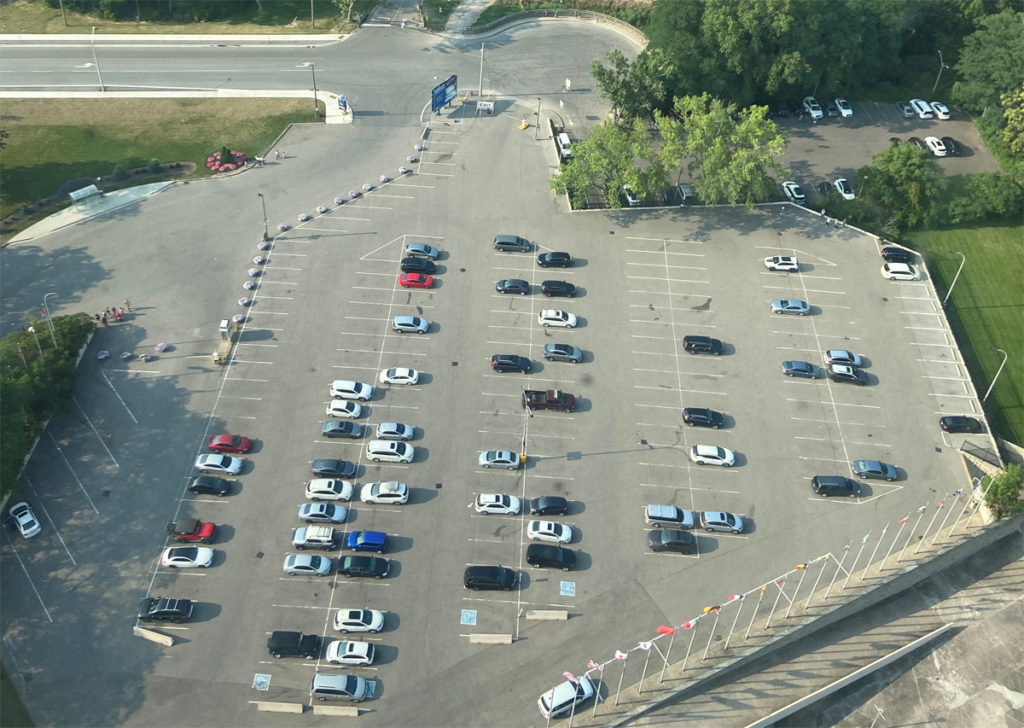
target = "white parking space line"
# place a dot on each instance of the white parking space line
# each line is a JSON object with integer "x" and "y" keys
{"x": 290, "y": 255}
{"x": 306, "y": 229}
{"x": 517, "y": 395}
{"x": 181, "y": 572}
{"x": 406, "y": 184}
{"x": 389, "y": 305}
{"x": 53, "y": 525}
{"x": 922, "y": 313}
{"x": 958, "y": 396}
{"x": 817, "y": 439}
{"x": 824, "y": 460}
{"x": 871, "y": 444}
{"x": 248, "y": 399}
{"x": 245, "y": 379}
{"x": 276, "y": 298}
{"x": 382, "y": 353}
{"x": 663, "y": 278}
{"x": 657, "y": 424}
{"x": 396, "y": 197}
{"x": 952, "y": 379}
{"x": 550, "y": 477}
{"x": 664, "y": 265}
{"x": 552, "y": 437}
{"x": 253, "y": 313}
{"x": 657, "y": 406}
{"x": 362, "y": 318}
{"x": 375, "y": 288}
{"x": 240, "y": 344}
{"x": 809, "y": 277}
{"x": 659, "y": 240}
{"x": 434, "y": 174}
{"x": 274, "y": 268}
{"x": 31, "y": 583}
{"x": 372, "y": 273}
{"x": 267, "y": 282}
{"x": 808, "y": 419}
{"x": 310, "y": 606}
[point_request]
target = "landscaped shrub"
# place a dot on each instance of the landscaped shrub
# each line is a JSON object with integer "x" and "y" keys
{"x": 119, "y": 173}
{"x": 155, "y": 166}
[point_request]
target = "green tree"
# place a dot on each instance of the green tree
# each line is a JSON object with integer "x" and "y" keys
{"x": 987, "y": 194}
{"x": 1013, "y": 119}
{"x": 608, "y": 159}
{"x": 733, "y": 150}
{"x": 904, "y": 181}
{"x": 1003, "y": 492}
{"x": 991, "y": 61}
{"x": 345, "y": 7}
{"x": 636, "y": 89}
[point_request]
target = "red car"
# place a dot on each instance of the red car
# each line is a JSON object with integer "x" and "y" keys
{"x": 229, "y": 443}
{"x": 415, "y": 280}
{"x": 191, "y": 530}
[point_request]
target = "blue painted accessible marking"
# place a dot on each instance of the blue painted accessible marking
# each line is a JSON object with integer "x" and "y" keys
{"x": 261, "y": 682}
{"x": 567, "y": 588}
{"x": 371, "y": 689}
{"x": 469, "y": 616}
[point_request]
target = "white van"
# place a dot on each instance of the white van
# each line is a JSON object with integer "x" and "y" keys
{"x": 560, "y": 700}
{"x": 564, "y": 145}
{"x": 922, "y": 108}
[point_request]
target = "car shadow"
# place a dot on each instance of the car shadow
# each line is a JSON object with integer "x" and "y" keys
{"x": 397, "y": 544}
{"x": 706, "y": 543}
{"x": 204, "y": 612}
{"x": 222, "y": 534}
{"x": 422, "y": 495}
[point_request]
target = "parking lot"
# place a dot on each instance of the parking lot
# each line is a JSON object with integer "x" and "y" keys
{"x": 645, "y": 278}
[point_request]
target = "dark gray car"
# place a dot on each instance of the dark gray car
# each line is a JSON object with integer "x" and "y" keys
{"x": 512, "y": 243}
{"x": 563, "y": 352}
{"x": 512, "y": 285}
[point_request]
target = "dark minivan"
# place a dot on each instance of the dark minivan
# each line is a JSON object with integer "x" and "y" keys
{"x": 826, "y": 485}
{"x": 550, "y": 557}
{"x": 511, "y": 243}
{"x": 702, "y": 417}
{"x": 702, "y": 345}
{"x": 489, "y": 578}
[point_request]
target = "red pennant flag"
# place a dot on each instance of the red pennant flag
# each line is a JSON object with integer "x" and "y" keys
{"x": 570, "y": 677}
{"x": 904, "y": 519}
{"x": 800, "y": 566}
{"x": 592, "y": 665}
{"x": 734, "y": 597}
{"x": 664, "y": 629}
{"x": 43, "y": 315}
{"x": 940, "y": 502}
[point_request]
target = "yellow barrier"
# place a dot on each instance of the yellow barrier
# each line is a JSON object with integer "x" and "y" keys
{"x": 349, "y": 710}
{"x": 268, "y": 706}
{"x": 559, "y": 614}
{"x": 490, "y": 639}
{"x": 159, "y": 637}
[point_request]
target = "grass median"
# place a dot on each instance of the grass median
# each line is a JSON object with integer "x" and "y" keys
{"x": 53, "y": 141}
{"x": 986, "y": 310}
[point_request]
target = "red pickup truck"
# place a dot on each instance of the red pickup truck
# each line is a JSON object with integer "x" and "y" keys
{"x": 191, "y": 530}
{"x": 550, "y": 399}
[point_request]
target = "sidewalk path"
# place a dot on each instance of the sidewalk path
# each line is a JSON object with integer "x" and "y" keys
{"x": 465, "y": 15}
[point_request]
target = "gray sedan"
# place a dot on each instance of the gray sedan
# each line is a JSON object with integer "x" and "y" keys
{"x": 563, "y": 352}
{"x": 790, "y": 305}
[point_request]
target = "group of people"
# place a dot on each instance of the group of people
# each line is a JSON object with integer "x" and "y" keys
{"x": 114, "y": 313}
{"x": 260, "y": 161}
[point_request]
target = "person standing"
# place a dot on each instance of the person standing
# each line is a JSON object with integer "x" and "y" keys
{"x": 127, "y": 306}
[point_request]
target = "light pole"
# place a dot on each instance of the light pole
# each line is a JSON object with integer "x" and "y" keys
{"x": 536, "y": 129}
{"x": 998, "y": 372}
{"x": 312, "y": 67}
{"x": 49, "y": 318}
{"x": 266, "y": 221}
{"x": 950, "y": 291}
{"x": 96, "y": 60}
{"x": 941, "y": 66}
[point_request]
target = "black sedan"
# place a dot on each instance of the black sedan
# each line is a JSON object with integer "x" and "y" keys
{"x": 554, "y": 260}
{"x": 897, "y": 255}
{"x": 210, "y": 485}
{"x": 162, "y": 609}
{"x": 952, "y": 148}
{"x": 418, "y": 265}
{"x": 341, "y": 429}
{"x": 512, "y": 285}
{"x": 373, "y": 566}
{"x": 330, "y": 468}
{"x": 558, "y": 288}
{"x": 671, "y": 539}
{"x": 702, "y": 417}
{"x": 549, "y": 505}
{"x": 959, "y": 423}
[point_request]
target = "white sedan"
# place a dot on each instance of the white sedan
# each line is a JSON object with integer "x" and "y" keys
{"x": 844, "y": 188}
{"x": 345, "y": 408}
{"x": 390, "y": 451}
{"x": 712, "y": 455}
{"x": 386, "y": 493}
{"x": 499, "y": 459}
{"x": 329, "y": 489}
{"x": 555, "y": 317}
{"x": 25, "y": 520}
{"x": 845, "y": 110}
{"x": 793, "y": 192}
{"x": 500, "y": 504}
{"x": 936, "y": 146}
{"x": 307, "y": 565}
{"x": 900, "y": 272}
{"x": 782, "y": 262}
{"x": 346, "y": 652}
{"x": 395, "y": 431}
{"x": 187, "y": 557}
{"x": 549, "y": 531}
{"x": 220, "y": 464}
{"x": 940, "y": 109}
{"x": 399, "y": 375}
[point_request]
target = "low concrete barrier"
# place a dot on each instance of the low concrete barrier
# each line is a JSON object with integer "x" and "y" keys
{"x": 159, "y": 637}
{"x": 490, "y": 639}
{"x": 348, "y": 710}
{"x": 269, "y": 706}
{"x": 559, "y": 614}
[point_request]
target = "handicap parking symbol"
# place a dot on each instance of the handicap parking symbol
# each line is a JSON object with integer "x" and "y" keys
{"x": 469, "y": 616}
{"x": 261, "y": 682}
{"x": 567, "y": 588}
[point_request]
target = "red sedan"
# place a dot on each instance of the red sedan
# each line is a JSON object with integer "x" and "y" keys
{"x": 415, "y": 280}
{"x": 229, "y": 443}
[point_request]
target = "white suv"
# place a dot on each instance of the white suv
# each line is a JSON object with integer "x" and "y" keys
{"x": 390, "y": 451}
{"x": 349, "y": 389}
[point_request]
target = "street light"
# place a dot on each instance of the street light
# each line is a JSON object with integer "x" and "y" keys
{"x": 49, "y": 318}
{"x": 998, "y": 372}
{"x": 266, "y": 221}
{"x": 950, "y": 291}
{"x": 536, "y": 129}
{"x": 941, "y": 66}
{"x": 96, "y": 60}
{"x": 312, "y": 67}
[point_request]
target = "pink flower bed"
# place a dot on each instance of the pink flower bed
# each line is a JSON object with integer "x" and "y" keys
{"x": 214, "y": 164}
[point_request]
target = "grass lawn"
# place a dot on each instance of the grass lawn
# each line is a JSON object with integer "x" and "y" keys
{"x": 278, "y": 17}
{"x": 49, "y": 143}
{"x": 986, "y": 310}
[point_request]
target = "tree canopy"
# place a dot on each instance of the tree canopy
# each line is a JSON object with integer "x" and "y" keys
{"x": 635, "y": 89}
{"x": 991, "y": 61}
{"x": 904, "y": 182}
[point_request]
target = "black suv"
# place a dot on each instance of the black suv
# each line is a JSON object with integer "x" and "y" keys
{"x": 364, "y": 566}
{"x": 417, "y": 265}
{"x": 554, "y": 260}
{"x": 489, "y": 578}
{"x": 549, "y": 505}
{"x": 511, "y": 243}
{"x": 549, "y": 556}
{"x": 558, "y": 288}
{"x": 897, "y": 255}
{"x": 826, "y": 485}
{"x": 162, "y": 609}
{"x": 293, "y": 644}
{"x": 510, "y": 363}
{"x": 702, "y": 345}
{"x": 702, "y": 417}
{"x": 210, "y": 485}
{"x": 671, "y": 539}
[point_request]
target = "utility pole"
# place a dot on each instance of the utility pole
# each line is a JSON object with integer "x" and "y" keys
{"x": 480, "y": 86}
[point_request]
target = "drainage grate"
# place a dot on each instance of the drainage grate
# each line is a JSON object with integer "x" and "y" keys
{"x": 437, "y": 486}
{"x": 259, "y": 554}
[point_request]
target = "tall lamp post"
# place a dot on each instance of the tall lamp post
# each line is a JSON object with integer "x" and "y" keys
{"x": 49, "y": 319}
{"x": 312, "y": 67}
{"x": 536, "y": 129}
{"x": 998, "y": 372}
{"x": 941, "y": 66}
{"x": 266, "y": 220}
{"x": 95, "y": 60}
{"x": 963, "y": 259}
